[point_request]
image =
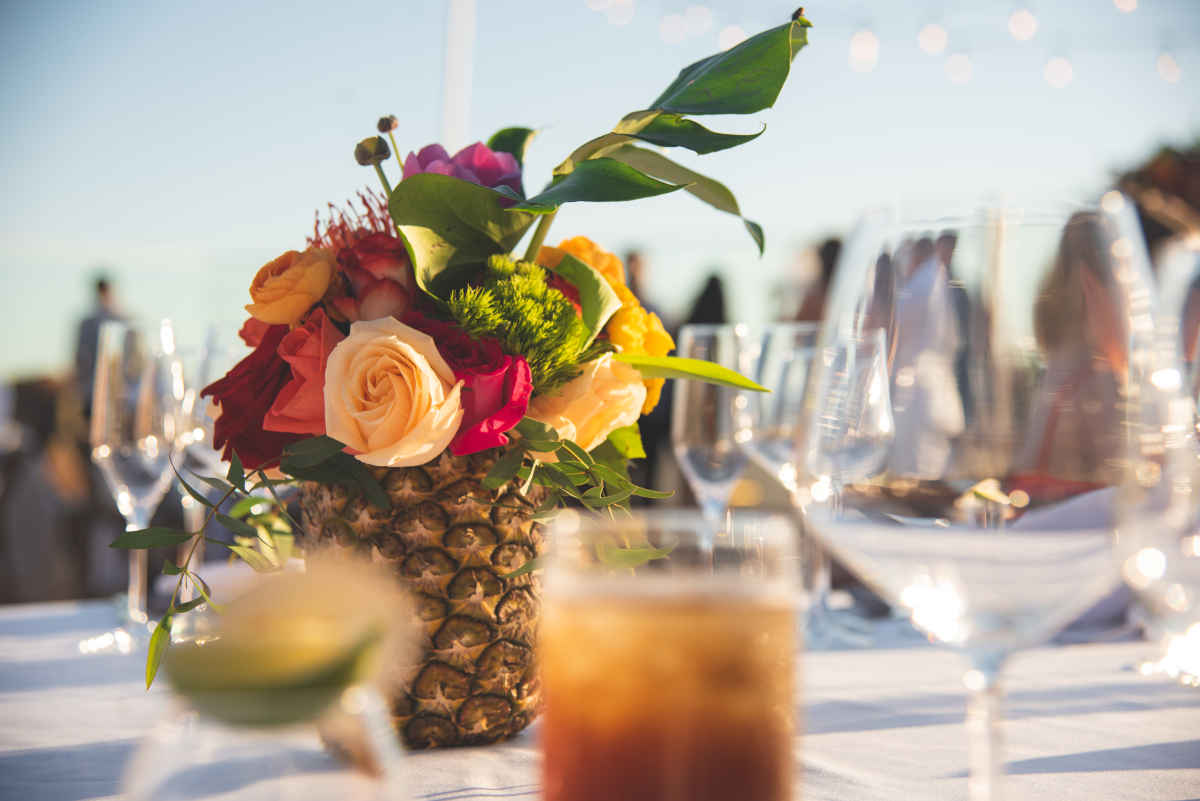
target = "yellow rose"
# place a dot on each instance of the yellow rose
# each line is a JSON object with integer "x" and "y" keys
{"x": 390, "y": 396}
{"x": 631, "y": 328}
{"x": 608, "y": 395}
{"x": 284, "y": 289}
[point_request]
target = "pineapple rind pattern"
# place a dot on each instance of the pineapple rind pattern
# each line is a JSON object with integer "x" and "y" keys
{"x": 452, "y": 542}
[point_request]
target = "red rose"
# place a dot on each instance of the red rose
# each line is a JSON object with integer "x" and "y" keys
{"x": 300, "y": 406}
{"x": 244, "y": 395}
{"x": 496, "y": 386}
{"x": 253, "y": 331}
{"x": 381, "y": 279}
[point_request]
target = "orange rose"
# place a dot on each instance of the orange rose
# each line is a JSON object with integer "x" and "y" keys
{"x": 286, "y": 288}
{"x": 631, "y": 328}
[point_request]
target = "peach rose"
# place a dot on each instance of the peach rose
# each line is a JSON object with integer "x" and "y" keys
{"x": 284, "y": 289}
{"x": 608, "y": 395}
{"x": 390, "y": 396}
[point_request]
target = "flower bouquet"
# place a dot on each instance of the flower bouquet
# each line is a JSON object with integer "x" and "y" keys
{"x": 435, "y": 392}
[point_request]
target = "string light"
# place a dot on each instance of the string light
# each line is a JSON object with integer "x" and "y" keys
{"x": 1023, "y": 25}
{"x": 1058, "y": 72}
{"x": 698, "y": 20}
{"x": 672, "y": 29}
{"x": 730, "y": 36}
{"x": 1168, "y": 68}
{"x": 1125, "y": 6}
{"x": 932, "y": 39}
{"x": 959, "y": 68}
{"x": 864, "y": 51}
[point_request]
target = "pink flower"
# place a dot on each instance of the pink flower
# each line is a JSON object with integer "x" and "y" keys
{"x": 476, "y": 163}
{"x": 381, "y": 279}
{"x": 299, "y": 407}
{"x": 495, "y": 386}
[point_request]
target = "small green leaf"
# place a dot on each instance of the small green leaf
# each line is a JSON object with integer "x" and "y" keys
{"x": 740, "y": 80}
{"x": 239, "y": 527}
{"x": 449, "y": 226}
{"x": 505, "y": 469}
{"x": 186, "y": 606}
{"x": 170, "y": 568}
{"x": 190, "y": 490}
{"x": 581, "y": 456}
{"x": 205, "y": 591}
{"x": 312, "y": 451}
{"x": 644, "y": 492}
{"x": 218, "y": 484}
{"x": 600, "y": 180}
{"x": 237, "y": 474}
{"x": 610, "y": 475}
{"x": 372, "y": 490}
{"x": 676, "y": 130}
{"x": 553, "y": 474}
{"x": 253, "y": 558}
{"x": 247, "y": 505}
{"x": 284, "y": 546}
{"x": 712, "y": 192}
{"x": 160, "y": 640}
{"x": 153, "y": 537}
{"x": 597, "y": 300}
{"x": 679, "y": 367}
{"x": 513, "y": 141}
{"x": 537, "y": 563}
{"x": 537, "y": 430}
{"x": 628, "y": 441}
{"x": 624, "y": 558}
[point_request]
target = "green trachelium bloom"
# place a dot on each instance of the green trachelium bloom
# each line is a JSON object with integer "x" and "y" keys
{"x": 514, "y": 305}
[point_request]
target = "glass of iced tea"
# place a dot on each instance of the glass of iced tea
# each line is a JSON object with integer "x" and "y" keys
{"x": 668, "y": 658}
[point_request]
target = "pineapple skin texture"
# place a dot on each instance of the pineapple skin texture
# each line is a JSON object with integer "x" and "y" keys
{"x": 451, "y": 542}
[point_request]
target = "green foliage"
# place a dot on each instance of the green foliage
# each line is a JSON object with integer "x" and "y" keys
{"x": 697, "y": 369}
{"x": 513, "y": 303}
{"x": 512, "y": 141}
{"x": 597, "y": 180}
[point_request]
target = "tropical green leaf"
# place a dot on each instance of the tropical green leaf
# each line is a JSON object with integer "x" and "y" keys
{"x": 512, "y": 141}
{"x": 312, "y": 451}
{"x": 160, "y": 640}
{"x": 597, "y": 300}
{"x": 154, "y": 537}
{"x": 679, "y": 367}
{"x": 712, "y": 192}
{"x": 741, "y": 80}
{"x": 624, "y": 558}
{"x": 505, "y": 469}
{"x": 628, "y": 442}
{"x": 676, "y": 130}
{"x": 598, "y": 180}
{"x": 449, "y": 224}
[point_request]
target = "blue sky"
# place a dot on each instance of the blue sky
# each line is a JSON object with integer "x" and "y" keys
{"x": 181, "y": 146}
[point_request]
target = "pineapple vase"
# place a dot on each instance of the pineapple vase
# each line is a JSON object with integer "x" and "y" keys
{"x": 452, "y": 542}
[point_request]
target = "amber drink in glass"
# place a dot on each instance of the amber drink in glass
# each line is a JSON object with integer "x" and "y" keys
{"x": 669, "y": 660}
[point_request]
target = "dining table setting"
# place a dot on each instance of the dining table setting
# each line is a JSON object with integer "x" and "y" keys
{"x": 941, "y": 543}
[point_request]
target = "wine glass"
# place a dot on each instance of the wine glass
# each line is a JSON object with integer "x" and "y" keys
{"x": 135, "y": 436}
{"x": 1016, "y": 389}
{"x": 703, "y": 417}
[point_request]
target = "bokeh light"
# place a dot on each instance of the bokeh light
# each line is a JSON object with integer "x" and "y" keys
{"x": 1023, "y": 25}
{"x": 959, "y": 68}
{"x": 1059, "y": 72}
{"x": 864, "y": 51}
{"x": 932, "y": 39}
{"x": 1168, "y": 68}
{"x": 731, "y": 36}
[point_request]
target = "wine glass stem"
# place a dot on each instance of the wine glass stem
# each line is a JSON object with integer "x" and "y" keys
{"x": 985, "y": 744}
{"x": 137, "y": 596}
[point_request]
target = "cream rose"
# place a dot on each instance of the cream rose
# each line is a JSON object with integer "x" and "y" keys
{"x": 608, "y": 395}
{"x": 390, "y": 396}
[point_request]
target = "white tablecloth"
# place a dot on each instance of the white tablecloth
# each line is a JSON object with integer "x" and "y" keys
{"x": 881, "y": 724}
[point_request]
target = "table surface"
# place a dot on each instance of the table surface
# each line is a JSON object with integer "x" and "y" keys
{"x": 880, "y": 724}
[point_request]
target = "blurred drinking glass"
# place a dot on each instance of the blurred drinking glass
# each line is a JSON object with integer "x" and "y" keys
{"x": 135, "y": 436}
{"x": 984, "y": 502}
{"x": 668, "y": 656}
{"x": 703, "y": 416}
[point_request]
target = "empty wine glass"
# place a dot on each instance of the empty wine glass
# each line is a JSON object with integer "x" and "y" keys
{"x": 703, "y": 418}
{"x": 1016, "y": 391}
{"x": 135, "y": 435}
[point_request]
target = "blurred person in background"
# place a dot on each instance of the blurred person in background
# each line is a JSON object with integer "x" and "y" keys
{"x": 812, "y": 309}
{"x": 88, "y": 338}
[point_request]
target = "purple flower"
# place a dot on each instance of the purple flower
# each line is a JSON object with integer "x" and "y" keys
{"x": 475, "y": 163}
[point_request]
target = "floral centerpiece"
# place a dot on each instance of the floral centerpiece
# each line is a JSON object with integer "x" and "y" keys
{"x": 434, "y": 391}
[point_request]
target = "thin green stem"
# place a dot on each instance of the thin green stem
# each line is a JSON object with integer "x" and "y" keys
{"x": 539, "y": 235}
{"x": 396, "y": 151}
{"x": 183, "y": 569}
{"x": 387, "y": 188}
